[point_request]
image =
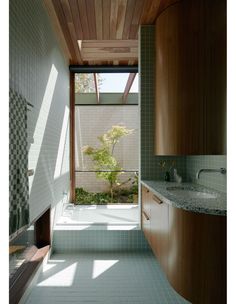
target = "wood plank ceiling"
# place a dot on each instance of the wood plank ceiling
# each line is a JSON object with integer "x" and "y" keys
{"x": 102, "y": 32}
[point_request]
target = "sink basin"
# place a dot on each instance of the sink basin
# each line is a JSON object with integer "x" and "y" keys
{"x": 190, "y": 193}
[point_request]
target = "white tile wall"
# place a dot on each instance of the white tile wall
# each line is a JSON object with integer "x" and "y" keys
{"x": 38, "y": 72}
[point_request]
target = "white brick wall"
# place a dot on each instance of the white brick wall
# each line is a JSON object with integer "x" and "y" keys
{"x": 39, "y": 73}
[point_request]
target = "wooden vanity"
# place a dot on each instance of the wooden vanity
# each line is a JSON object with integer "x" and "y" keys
{"x": 190, "y": 246}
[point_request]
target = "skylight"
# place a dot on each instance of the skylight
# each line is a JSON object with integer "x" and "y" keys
{"x": 116, "y": 82}
{"x": 107, "y": 83}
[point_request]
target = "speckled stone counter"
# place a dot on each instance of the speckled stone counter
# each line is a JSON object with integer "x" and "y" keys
{"x": 214, "y": 206}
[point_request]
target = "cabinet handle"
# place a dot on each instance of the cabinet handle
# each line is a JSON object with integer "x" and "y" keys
{"x": 156, "y": 199}
{"x": 146, "y": 216}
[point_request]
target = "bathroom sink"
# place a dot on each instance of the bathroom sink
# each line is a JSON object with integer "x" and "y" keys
{"x": 190, "y": 193}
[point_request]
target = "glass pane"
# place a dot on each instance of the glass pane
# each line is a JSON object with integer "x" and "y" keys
{"x": 114, "y": 182}
{"x": 107, "y": 83}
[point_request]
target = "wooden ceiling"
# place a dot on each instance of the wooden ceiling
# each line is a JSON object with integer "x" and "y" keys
{"x": 102, "y": 32}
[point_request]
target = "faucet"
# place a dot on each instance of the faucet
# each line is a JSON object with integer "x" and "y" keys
{"x": 221, "y": 170}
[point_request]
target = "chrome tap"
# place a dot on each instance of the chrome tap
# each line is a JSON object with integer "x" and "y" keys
{"x": 221, "y": 170}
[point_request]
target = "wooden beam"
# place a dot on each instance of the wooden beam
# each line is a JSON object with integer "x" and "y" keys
{"x": 133, "y": 43}
{"x": 72, "y": 137}
{"x": 128, "y": 86}
{"x": 96, "y": 86}
{"x": 109, "y": 56}
{"x": 103, "y": 69}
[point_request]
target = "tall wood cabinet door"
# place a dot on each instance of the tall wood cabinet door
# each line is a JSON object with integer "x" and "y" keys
{"x": 160, "y": 231}
{"x": 215, "y": 80}
{"x": 190, "y": 79}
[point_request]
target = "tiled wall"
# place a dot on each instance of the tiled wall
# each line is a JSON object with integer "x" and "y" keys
{"x": 39, "y": 73}
{"x": 99, "y": 240}
{"x": 213, "y": 180}
{"x": 149, "y": 166}
{"x": 187, "y": 166}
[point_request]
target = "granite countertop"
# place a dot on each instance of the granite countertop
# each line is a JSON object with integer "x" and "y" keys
{"x": 214, "y": 206}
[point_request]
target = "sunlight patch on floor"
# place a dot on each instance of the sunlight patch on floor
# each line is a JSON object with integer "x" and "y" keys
{"x": 65, "y": 277}
{"x": 100, "y": 266}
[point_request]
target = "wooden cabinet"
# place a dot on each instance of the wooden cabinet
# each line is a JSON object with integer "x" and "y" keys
{"x": 159, "y": 230}
{"x": 155, "y": 225}
{"x": 197, "y": 256}
{"x": 190, "y": 101}
{"x": 190, "y": 247}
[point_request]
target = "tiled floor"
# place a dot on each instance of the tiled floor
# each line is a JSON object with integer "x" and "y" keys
{"x": 103, "y": 278}
{"x": 110, "y": 215}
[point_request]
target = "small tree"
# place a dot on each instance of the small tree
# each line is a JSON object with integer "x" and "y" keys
{"x": 105, "y": 163}
{"x": 84, "y": 83}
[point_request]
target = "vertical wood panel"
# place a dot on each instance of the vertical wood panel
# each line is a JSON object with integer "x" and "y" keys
{"x": 58, "y": 30}
{"x": 191, "y": 79}
{"x": 76, "y": 19}
{"x": 121, "y": 18}
{"x": 75, "y": 43}
{"x": 72, "y": 137}
{"x": 84, "y": 19}
{"x": 150, "y": 11}
{"x": 145, "y": 12}
{"x": 91, "y": 19}
{"x": 99, "y": 17}
{"x": 66, "y": 9}
{"x": 113, "y": 18}
{"x": 66, "y": 33}
{"x": 197, "y": 256}
{"x": 135, "y": 19}
{"x": 153, "y": 8}
{"x": 128, "y": 18}
{"x": 104, "y": 19}
{"x": 179, "y": 76}
{"x": 106, "y": 7}
{"x": 215, "y": 80}
{"x": 71, "y": 27}
{"x": 160, "y": 232}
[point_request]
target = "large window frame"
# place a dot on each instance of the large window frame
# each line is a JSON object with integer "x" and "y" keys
{"x": 90, "y": 69}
